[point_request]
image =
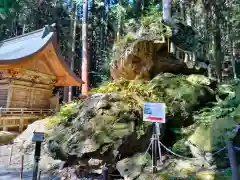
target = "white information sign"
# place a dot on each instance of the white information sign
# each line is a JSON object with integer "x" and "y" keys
{"x": 154, "y": 112}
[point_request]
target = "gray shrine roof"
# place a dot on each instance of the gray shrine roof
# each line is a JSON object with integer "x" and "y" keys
{"x": 19, "y": 48}
{"x": 24, "y": 45}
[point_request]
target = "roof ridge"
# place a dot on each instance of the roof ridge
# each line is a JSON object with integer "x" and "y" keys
{"x": 23, "y": 35}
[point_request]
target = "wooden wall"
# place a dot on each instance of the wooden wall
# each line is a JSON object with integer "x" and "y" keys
{"x": 3, "y": 95}
{"x": 29, "y": 96}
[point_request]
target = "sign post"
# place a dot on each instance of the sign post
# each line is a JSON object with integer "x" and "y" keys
{"x": 155, "y": 113}
{"x": 38, "y": 137}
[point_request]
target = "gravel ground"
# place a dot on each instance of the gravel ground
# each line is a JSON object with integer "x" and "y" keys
{"x": 12, "y": 171}
{"x": 23, "y": 143}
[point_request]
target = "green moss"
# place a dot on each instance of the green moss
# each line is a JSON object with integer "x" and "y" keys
{"x": 151, "y": 29}
{"x": 180, "y": 148}
{"x": 199, "y": 79}
{"x": 203, "y": 175}
{"x": 236, "y": 114}
{"x": 180, "y": 95}
{"x": 120, "y": 46}
{"x": 63, "y": 115}
{"x": 213, "y": 136}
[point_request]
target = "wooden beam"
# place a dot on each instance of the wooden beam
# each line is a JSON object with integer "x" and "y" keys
{"x": 19, "y": 83}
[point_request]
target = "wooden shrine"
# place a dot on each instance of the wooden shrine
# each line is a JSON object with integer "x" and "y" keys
{"x": 30, "y": 67}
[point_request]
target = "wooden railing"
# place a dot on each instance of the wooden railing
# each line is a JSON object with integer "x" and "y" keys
{"x": 20, "y": 117}
{"x": 24, "y": 111}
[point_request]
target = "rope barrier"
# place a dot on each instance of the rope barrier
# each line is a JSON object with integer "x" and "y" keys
{"x": 180, "y": 156}
{"x": 176, "y": 153}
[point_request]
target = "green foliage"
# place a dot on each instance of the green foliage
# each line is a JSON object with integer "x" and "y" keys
{"x": 225, "y": 106}
{"x": 120, "y": 46}
{"x": 152, "y": 22}
{"x": 63, "y": 115}
{"x": 149, "y": 27}
{"x": 180, "y": 95}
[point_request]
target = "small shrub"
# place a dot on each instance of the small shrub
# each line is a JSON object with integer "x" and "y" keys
{"x": 66, "y": 110}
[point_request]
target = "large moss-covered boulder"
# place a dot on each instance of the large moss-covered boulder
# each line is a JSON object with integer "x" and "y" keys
{"x": 104, "y": 129}
{"x": 213, "y": 125}
{"x": 212, "y": 137}
{"x": 108, "y": 125}
{"x": 180, "y": 93}
{"x": 132, "y": 167}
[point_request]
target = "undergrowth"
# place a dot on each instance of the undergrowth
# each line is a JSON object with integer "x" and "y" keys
{"x": 62, "y": 116}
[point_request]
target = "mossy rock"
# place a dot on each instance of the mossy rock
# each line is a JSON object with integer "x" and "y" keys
{"x": 199, "y": 79}
{"x": 7, "y": 137}
{"x": 180, "y": 95}
{"x": 158, "y": 176}
{"x": 131, "y": 168}
{"x": 206, "y": 175}
{"x": 180, "y": 148}
{"x": 237, "y": 91}
{"x": 225, "y": 90}
{"x": 213, "y": 136}
{"x": 236, "y": 114}
{"x": 108, "y": 125}
{"x": 105, "y": 127}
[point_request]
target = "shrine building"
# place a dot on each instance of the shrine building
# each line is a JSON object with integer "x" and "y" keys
{"x": 30, "y": 67}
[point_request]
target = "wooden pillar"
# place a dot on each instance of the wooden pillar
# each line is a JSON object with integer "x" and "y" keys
{"x": 9, "y": 98}
{"x": 177, "y": 53}
{"x": 4, "y": 125}
{"x": 185, "y": 57}
{"x": 173, "y": 48}
{"x": 21, "y": 125}
{"x": 65, "y": 94}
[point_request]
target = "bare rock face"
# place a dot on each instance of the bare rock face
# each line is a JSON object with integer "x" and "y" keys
{"x": 145, "y": 53}
{"x": 145, "y": 59}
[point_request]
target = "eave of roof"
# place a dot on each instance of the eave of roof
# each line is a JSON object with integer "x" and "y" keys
{"x": 21, "y": 48}
{"x": 24, "y": 46}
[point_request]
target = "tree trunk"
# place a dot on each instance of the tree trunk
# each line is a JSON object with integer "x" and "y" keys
{"x": 119, "y": 29}
{"x": 138, "y": 6}
{"x": 230, "y": 40}
{"x": 188, "y": 15}
{"x": 217, "y": 44}
{"x": 182, "y": 9}
{"x": 85, "y": 86}
{"x": 233, "y": 60}
{"x": 166, "y": 19}
{"x": 23, "y": 29}
{"x": 106, "y": 23}
{"x": 102, "y": 31}
{"x": 166, "y": 10}
{"x": 73, "y": 43}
